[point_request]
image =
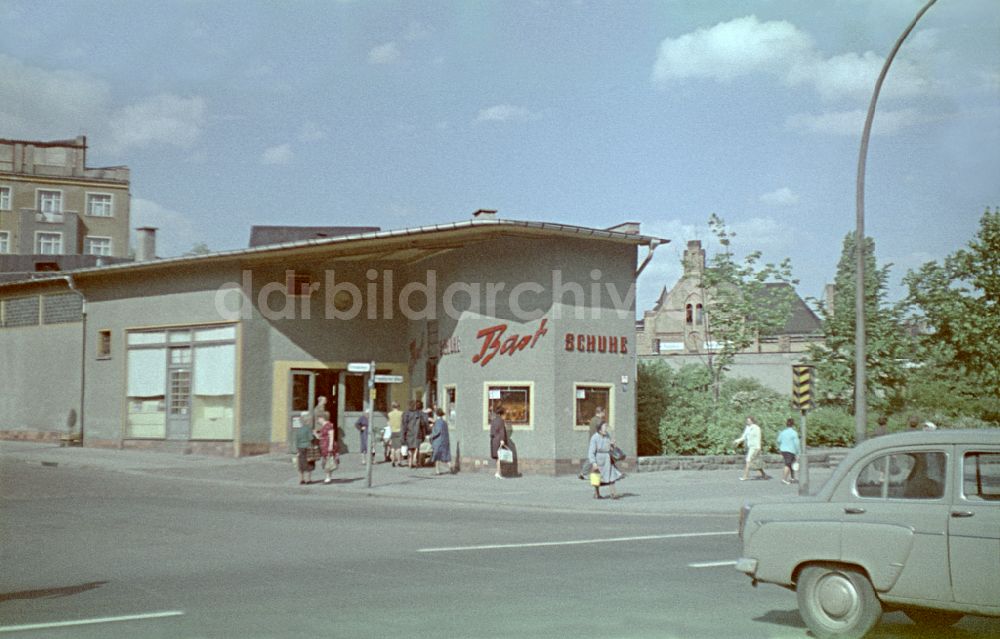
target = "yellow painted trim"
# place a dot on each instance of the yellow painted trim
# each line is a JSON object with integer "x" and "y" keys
{"x": 531, "y": 397}
{"x": 279, "y": 383}
{"x": 611, "y": 403}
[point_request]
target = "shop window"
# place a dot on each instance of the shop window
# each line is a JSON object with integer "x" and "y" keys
{"x": 515, "y": 399}
{"x": 188, "y": 373}
{"x": 355, "y": 392}
{"x": 590, "y": 398}
{"x": 104, "y": 344}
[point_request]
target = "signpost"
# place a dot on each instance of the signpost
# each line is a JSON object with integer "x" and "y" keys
{"x": 368, "y": 369}
{"x": 802, "y": 398}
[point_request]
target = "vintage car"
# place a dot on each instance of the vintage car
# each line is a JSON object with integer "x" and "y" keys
{"x": 909, "y": 522}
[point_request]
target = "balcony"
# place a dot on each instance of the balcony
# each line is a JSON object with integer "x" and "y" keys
{"x": 49, "y": 217}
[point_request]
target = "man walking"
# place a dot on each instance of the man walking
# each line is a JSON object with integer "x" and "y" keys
{"x": 751, "y": 438}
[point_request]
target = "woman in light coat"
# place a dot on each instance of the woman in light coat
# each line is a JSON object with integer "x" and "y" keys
{"x": 599, "y": 455}
{"x": 440, "y": 442}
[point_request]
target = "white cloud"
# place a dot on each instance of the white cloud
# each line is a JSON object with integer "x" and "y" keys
{"x": 886, "y": 122}
{"x": 782, "y": 197}
{"x": 505, "y": 113}
{"x": 387, "y": 53}
{"x": 162, "y": 119}
{"x": 280, "y": 154}
{"x": 176, "y": 233}
{"x": 312, "y": 132}
{"x": 747, "y": 46}
{"x": 43, "y": 104}
{"x": 730, "y": 49}
{"x": 760, "y": 234}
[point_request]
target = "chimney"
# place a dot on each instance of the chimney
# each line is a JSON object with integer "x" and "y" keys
{"x": 485, "y": 214}
{"x": 145, "y": 241}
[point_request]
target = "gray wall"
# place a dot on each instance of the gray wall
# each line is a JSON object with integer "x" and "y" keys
{"x": 773, "y": 370}
{"x": 40, "y": 369}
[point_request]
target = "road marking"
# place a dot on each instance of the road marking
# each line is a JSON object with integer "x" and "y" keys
{"x": 84, "y": 622}
{"x": 575, "y": 542}
{"x": 712, "y": 564}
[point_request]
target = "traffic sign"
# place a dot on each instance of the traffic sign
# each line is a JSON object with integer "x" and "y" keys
{"x": 802, "y": 387}
{"x": 388, "y": 379}
{"x": 359, "y": 367}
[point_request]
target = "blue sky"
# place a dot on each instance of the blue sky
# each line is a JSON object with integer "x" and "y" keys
{"x": 401, "y": 114}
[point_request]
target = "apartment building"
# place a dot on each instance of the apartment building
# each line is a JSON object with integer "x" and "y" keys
{"x": 53, "y": 205}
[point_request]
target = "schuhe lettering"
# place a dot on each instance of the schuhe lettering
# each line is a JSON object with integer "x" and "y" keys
{"x": 581, "y": 343}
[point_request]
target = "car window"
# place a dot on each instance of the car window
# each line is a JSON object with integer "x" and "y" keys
{"x": 915, "y": 475}
{"x": 981, "y": 476}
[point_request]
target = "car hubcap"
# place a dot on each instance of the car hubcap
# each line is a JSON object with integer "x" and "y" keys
{"x": 836, "y": 596}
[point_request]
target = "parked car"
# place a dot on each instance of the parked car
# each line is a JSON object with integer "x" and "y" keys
{"x": 907, "y": 522}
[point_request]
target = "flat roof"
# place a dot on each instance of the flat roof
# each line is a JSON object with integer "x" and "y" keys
{"x": 407, "y": 243}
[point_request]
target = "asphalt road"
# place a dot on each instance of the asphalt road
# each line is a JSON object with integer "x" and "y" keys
{"x": 190, "y": 560}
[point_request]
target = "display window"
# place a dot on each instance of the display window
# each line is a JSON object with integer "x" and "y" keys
{"x": 516, "y": 399}
{"x": 588, "y": 400}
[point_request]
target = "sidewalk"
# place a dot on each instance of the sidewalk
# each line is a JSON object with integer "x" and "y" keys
{"x": 650, "y": 493}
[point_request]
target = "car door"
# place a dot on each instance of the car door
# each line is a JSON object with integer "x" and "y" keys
{"x": 974, "y": 527}
{"x": 896, "y": 522}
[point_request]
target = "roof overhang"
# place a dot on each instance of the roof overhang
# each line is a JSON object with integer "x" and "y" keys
{"x": 407, "y": 246}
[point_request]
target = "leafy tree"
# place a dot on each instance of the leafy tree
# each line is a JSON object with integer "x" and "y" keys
{"x": 887, "y": 347}
{"x": 746, "y": 300}
{"x": 198, "y": 248}
{"x": 959, "y": 302}
{"x": 652, "y": 401}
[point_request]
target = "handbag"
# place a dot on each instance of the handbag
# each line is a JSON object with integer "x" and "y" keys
{"x": 331, "y": 464}
{"x": 505, "y": 456}
{"x": 795, "y": 466}
{"x": 313, "y": 453}
{"x": 617, "y": 454}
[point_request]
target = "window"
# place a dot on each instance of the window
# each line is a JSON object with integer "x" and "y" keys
{"x": 96, "y": 245}
{"x": 355, "y": 392}
{"x": 104, "y": 344}
{"x": 4, "y": 198}
{"x": 589, "y": 399}
{"x": 186, "y": 373}
{"x": 515, "y": 397}
{"x": 915, "y": 475}
{"x": 48, "y": 243}
{"x": 699, "y": 314}
{"x": 689, "y": 314}
{"x": 50, "y": 201}
{"x": 981, "y": 476}
{"x": 4, "y": 242}
{"x": 99, "y": 204}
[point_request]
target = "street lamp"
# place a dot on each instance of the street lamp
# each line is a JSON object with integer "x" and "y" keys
{"x": 860, "y": 399}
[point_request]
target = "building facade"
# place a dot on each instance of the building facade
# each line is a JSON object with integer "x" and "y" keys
{"x": 677, "y": 330}
{"x": 52, "y": 204}
{"x": 221, "y": 353}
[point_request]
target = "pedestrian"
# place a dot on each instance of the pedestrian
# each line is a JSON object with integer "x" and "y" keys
{"x": 601, "y": 463}
{"x": 395, "y": 418}
{"x": 362, "y": 425}
{"x": 598, "y": 419}
{"x": 418, "y": 432}
{"x": 913, "y": 422}
{"x": 329, "y": 450}
{"x": 498, "y": 436}
{"x": 790, "y": 449}
{"x": 751, "y": 438}
{"x": 304, "y": 435}
{"x": 882, "y": 427}
{"x": 441, "y": 453}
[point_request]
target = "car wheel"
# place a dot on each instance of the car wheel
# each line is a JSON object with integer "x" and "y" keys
{"x": 933, "y": 618}
{"x": 837, "y": 601}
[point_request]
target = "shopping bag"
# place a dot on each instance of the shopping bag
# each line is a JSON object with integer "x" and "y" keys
{"x": 331, "y": 464}
{"x": 505, "y": 455}
{"x": 595, "y": 479}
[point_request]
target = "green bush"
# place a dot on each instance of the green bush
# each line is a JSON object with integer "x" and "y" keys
{"x": 830, "y": 427}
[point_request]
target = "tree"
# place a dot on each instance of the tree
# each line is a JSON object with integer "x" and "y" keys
{"x": 747, "y": 300}
{"x": 887, "y": 347}
{"x": 198, "y": 248}
{"x": 959, "y": 302}
{"x": 652, "y": 387}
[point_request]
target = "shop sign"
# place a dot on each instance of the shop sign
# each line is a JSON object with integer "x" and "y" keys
{"x": 580, "y": 343}
{"x": 496, "y": 342}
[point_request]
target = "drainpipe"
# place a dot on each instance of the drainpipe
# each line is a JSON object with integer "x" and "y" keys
{"x": 83, "y": 347}
{"x": 652, "y": 247}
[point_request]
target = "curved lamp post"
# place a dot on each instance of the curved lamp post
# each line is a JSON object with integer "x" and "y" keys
{"x": 860, "y": 399}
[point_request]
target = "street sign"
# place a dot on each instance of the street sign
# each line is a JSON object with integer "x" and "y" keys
{"x": 359, "y": 367}
{"x": 802, "y": 387}
{"x": 388, "y": 379}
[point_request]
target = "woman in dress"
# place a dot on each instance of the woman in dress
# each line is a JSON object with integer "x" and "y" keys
{"x": 599, "y": 455}
{"x": 441, "y": 453}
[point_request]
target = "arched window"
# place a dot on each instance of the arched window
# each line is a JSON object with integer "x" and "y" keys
{"x": 689, "y": 315}
{"x": 699, "y": 315}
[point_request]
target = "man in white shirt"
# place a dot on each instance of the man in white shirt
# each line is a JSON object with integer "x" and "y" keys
{"x": 751, "y": 437}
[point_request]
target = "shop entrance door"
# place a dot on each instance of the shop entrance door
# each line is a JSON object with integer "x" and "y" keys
{"x": 306, "y": 386}
{"x": 179, "y": 394}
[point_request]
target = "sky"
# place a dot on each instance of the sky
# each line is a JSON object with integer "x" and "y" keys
{"x": 402, "y": 113}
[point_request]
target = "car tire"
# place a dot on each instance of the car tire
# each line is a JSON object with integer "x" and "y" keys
{"x": 933, "y": 618}
{"x": 836, "y": 601}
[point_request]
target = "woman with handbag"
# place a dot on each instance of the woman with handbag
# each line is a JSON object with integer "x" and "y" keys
{"x": 304, "y": 435}
{"x": 329, "y": 450}
{"x": 498, "y": 436}
{"x": 603, "y": 471}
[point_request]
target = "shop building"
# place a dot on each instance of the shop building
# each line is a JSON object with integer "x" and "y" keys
{"x": 220, "y": 353}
